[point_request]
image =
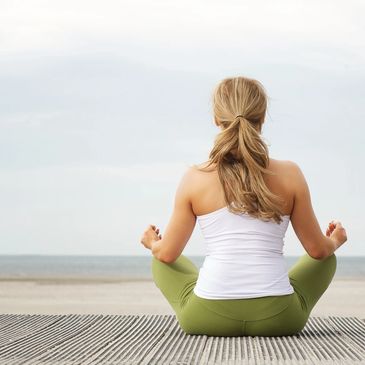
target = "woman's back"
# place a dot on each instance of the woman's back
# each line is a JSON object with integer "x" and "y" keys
{"x": 287, "y": 182}
{"x": 244, "y": 254}
{"x": 209, "y": 195}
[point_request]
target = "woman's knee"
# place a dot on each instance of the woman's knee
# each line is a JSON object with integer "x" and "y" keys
{"x": 331, "y": 263}
{"x": 333, "y": 260}
{"x": 154, "y": 263}
{"x": 157, "y": 267}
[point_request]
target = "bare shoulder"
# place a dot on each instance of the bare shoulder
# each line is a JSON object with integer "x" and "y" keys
{"x": 200, "y": 177}
{"x": 191, "y": 174}
{"x": 284, "y": 167}
{"x": 204, "y": 165}
{"x": 187, "y": 178}
{"x": 287, "y": 176}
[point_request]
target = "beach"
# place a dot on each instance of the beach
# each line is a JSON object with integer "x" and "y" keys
{"x": 344, "y": 297}
{"x": 124, "y": 285}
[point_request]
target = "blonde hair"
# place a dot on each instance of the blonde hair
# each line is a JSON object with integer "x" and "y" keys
{"x": 240, "y": 154}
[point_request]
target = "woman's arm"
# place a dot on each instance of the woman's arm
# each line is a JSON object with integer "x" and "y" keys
{"x": 180, "y": 227}
{"x": 304, "y": 220}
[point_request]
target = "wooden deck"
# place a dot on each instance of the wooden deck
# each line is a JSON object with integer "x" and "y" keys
{"x": 158, "y": 339}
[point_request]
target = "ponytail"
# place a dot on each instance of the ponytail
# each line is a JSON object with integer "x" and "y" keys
{"x": 239, "y": 153}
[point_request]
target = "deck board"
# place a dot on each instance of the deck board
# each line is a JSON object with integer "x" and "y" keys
{"x": 158, "y": 339}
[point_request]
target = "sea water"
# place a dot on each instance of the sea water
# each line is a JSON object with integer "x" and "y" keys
{"x": 123, "y": 267}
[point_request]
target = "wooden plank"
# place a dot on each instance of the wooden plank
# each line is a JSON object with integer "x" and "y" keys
{"x": 25, "y": 327}
{"x": 7, "y": 319}
{"x": 158, "y": 339}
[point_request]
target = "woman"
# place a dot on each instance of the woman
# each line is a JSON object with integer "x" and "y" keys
{"x": 243, "y": 201}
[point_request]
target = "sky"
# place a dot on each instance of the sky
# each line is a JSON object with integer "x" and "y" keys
{"x": 104, "y": 105}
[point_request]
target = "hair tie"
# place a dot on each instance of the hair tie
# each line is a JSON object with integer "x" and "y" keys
{"x": 238, "y": 116}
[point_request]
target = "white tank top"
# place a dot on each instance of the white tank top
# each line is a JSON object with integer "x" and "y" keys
{"x": 244, "y": 257}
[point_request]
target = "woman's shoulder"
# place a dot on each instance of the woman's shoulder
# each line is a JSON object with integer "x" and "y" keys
{"x": 202, "y": 175}
{"x": 288, "y": 176}
{"x": 203, "y": 167}
{"x": 283, "y": 166}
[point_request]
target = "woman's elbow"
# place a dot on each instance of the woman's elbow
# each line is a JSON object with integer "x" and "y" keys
{"x": 318, "y": 253}
{"x": 167, "y": 259}
{"x": 163, "y": 257}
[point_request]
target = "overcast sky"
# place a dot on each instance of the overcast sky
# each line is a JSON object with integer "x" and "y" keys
{"x": 104, "y": 105}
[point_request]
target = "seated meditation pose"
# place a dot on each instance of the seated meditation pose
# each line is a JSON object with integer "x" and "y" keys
{"x": 243, "y": 201}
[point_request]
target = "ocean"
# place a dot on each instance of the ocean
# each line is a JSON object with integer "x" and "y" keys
{"x": 122, "y": 267}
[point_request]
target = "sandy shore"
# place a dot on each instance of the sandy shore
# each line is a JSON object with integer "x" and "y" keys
{"x": 344, "y": 297}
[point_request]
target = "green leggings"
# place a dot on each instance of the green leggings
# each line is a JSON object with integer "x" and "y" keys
{"x": 264, "y": 316}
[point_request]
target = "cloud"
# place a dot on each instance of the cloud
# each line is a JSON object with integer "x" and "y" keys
{"x": 73, "y": 26}
{"x": 69, "y": 176}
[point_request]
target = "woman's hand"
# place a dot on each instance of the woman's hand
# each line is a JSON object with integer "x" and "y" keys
{"x": 336, "y": 232}
{"x": 330, "y": 228}
{"x": 150, "y": 234}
